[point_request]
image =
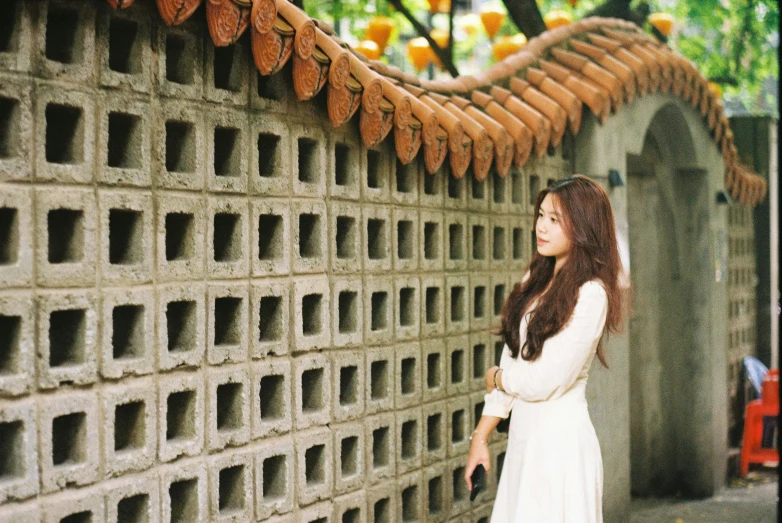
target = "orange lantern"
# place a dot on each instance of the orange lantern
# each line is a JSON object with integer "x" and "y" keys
{"x": 663, "y": 22}
{"x": 557, "y": 18}
{"x": 470, "y": 23}
{"x": 714, "y": 88}
{"x": 492, "y": 18}
{"x": 419, "y": 52}
{"x": 379, "y": 31}
{"x": 439, "y": 6}
{"x": 507, "y": 45}
{"x": 369, "y": 49}
{"x": 440, "y": 37}
{"x": 572, "y": 3}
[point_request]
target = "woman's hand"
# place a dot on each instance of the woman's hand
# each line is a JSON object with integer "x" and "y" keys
{"x": 479, "y": 455}
{"x": 489, "y": 377}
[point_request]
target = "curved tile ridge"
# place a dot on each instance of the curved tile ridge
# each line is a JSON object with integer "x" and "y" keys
{"x": 497, "y": 118}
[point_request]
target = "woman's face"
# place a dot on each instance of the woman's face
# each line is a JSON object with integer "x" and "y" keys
{"x": 552, "y": 240}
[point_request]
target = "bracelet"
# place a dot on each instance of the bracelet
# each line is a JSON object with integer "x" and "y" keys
{"x": 480, "y": 437}
{"x": 496, "y": 385}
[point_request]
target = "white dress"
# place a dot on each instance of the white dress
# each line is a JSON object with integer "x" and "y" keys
{"x": 553, "y": 471}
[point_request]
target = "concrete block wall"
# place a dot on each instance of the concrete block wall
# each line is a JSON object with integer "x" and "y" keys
{"x": 216, "y": 307}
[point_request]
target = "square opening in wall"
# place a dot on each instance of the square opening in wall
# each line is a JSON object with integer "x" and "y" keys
{"x": 407, "y": 312}
{"x": 315, "y": 465}
{"x": 500, "y": 463}
{"x": 378, "y": 380}
{"x": 311, "y": 314}
{"x": 227, "y": 69}
{"x": 78, "y": 517}
{"x": 517, "y": 187}
{"x": 498, "y": 348}
{"x": 457, "y": 426}
{"x": 227, "y": 151}
{"x": 380, "y": 447}
{"x": 69, "y": 439}
{"x": 457, "y": 366}
{"x": 344, "y": 174}
{"x": 271, "y": 87}
{"x": 12, "y": 457}
{"x": 432, "y": 181}
{"x": 67, "y": 331}
{"x": 65, "y": 229}
{"x": 10, "y": 333}
{"x": 348, "y": 385}
{"x": 479, "y": 302}
{"x": 499, "y": 298}
{"x": 309, "y": 236}
{"x": 124, "y": 141}
{"x": 64, "y": 40}
{"x": 478, "y": 242}
{"x": 180, "y": 147}
{"x": 272, "y": 397}
{"x": 455, "y": 241}
{"x": 268, "y": 155}
{"x": 181, "y": 325}
{"x": 183, "y": 500}
{"x": 124, "y": 46}
{"x": 518, "y": 243}
{"x": 9, "y": 236}
{"x": 133, "y": 509}
{"x": 377, "y": 240}
{"x": 408, "y": 378}
{"x": 478, "y": 188}
{"x": 379, "y": 312}
{"x": 127, "y": 332}
{"x": 275, "y": 472}
{"x": 270, "y": 237}
{"x": 309, "y": 166}
{"x": 270, "y": 319}
{"x": 9, "y": 126}
{"x": 346, "y": 237}
{"x": 433, "y": 429}
{"x": 409, "y": 439}
{"x": 64, "y": 134}
{"x": 432, "y": 308}
{"x": 405, "y": 177}
{"x": 460, "y": 492}
{"x": 352, "y": 515}
{"x": 477, "y": 412}
{"x": 534, "y": 188}
{"x": 312, "y": 390}
{"x": 227, "y": 237}
{"x": 349, "y": 456}
{"x": 8, "y": 21}
{"x": 455, "y": 188}
{"x": 478, "y": 360}
{"x": 498, "y": 185}
{"x": 433, "y": 370}
{"x": 404, "y": 233}
{"x": 180, "y": 59}
{"x": 229, "y": 406}
{"x": 457, "y": 304}
{"x": 180, "y": 236}
{"x": 348, "y": 312}
{"x": 180, "y": 415}
{"x": 228, "y": 322}
{"x": 431, "y": 240}
{"x": 126, "y": 237}
{"x": 231, "y": 489}
{"x": 499, "y": 243}
{"x": 410, "y": 504}
{"x": 129, "y": 426}
{"x": 435, "y": 487}
{"x": 374, "y": 176}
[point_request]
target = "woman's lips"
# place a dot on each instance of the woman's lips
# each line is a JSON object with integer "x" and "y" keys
{"x": 541, "y": 242}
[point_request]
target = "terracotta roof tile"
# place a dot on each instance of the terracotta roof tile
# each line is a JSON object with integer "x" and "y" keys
{"x": 498, "y": 116}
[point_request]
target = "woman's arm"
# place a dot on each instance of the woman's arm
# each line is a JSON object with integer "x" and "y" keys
{"x": 479, "y": 447}
{"x": 565, "y": 353}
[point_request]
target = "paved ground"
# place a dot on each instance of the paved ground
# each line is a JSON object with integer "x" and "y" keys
{"x": 753, "y": 500}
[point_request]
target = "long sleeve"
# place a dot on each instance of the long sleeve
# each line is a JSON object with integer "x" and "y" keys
{"x": 564, "y": 354}
{"x": 497, "y": 403}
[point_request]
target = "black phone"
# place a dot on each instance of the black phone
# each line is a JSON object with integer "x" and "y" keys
{"x": 477, "y": 481}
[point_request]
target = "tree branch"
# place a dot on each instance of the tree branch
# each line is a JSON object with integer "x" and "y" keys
{"x": 441, "y": 53}
{"x": 526, "y": 15}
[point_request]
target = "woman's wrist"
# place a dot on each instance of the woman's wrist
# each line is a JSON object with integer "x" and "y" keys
{"x": 476, "y": 434}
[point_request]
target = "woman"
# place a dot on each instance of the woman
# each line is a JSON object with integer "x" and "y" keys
{"x": 552, "y": 325}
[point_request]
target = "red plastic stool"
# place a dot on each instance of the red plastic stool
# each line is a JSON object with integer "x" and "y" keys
{"x": 752, "y": 449}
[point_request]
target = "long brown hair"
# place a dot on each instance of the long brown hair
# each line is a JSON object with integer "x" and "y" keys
{"x": 588, "y": 223}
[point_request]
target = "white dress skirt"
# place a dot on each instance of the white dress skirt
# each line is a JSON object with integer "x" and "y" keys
{"x": 553, "y": 470}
